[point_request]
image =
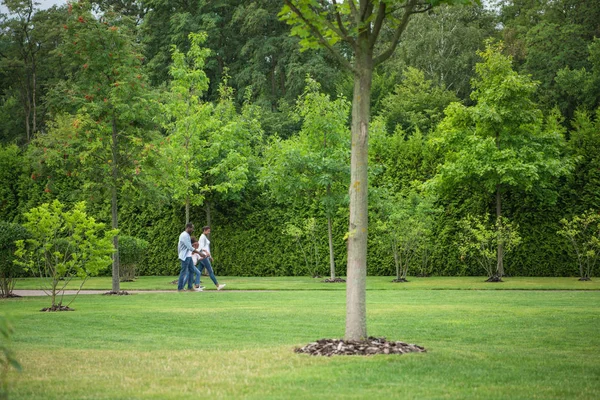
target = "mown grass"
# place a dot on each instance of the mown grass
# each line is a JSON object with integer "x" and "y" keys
{"x": 307, "y": 283}
{"x": 481, "y": 344}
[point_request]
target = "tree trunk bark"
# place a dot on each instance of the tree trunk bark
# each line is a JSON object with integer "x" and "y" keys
{"x": 187, "y": 210}
{"x": 356, "y": 313}
{"x": 500, "y": 254}
{"x": 331, "y": 257}
{"x": 207, "y": 211}
{"x": 116, "y": 285}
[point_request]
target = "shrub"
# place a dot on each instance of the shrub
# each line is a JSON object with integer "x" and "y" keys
{"x": 132, "y": 252}
{"x": 9, "y": 234}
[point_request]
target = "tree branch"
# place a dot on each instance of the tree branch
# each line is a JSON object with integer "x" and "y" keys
{"x": 345, "y": 63}
{"x": 378, "y": 24}
{"x": 401, "y": 27}
{"x": 341, "y": 31}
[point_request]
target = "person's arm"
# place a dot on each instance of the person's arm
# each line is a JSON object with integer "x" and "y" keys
{"x": 187, "y": 242}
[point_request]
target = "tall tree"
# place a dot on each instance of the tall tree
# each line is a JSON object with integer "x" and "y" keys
{"x": 500, "y": 143}
{"x": 313, "y": 165}
{"x": 188, "y": 117}
{"x": 20, "y": 59}
{"x": 358, "y": 25}
{"x": 109, "y": 135}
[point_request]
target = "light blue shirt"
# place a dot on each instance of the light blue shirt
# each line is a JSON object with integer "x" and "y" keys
{"x": 184, "y": 247}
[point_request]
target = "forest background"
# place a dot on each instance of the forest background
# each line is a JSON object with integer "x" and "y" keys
{"x": 116, "y": 104}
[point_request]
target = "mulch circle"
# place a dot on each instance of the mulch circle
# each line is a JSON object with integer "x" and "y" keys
{"x": 369, "y": 347}
{"x": 57, "y": 307}
{"x": 494, "y": 278}
{"x": 119, "y": 293}
{"x": 401, "y": 280}
{"x": 334, "y": 280}
{"x": 9, "y": 296}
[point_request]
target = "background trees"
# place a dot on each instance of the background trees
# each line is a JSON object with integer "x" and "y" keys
{"x": 500, "y": 143}
{"x": 311, "y": 169}
{"x": 256, "y": 74}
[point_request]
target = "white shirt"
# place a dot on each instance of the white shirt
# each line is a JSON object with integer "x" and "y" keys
{"x": 204, "y": 244}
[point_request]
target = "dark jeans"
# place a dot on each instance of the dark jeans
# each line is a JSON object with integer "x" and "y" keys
{"x": 206, "y": 264}
{"x": 187, "y": 271}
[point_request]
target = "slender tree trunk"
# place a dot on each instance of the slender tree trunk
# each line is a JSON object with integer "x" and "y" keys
{"x": 187, "y": 209}
{"x": 33, "y": 91}
{"x": 331, "y": 258}
{"x": 207, "y": 211}
{"x": 500, "y": 254}
{"x": 356, "y": 312}
{"x": 116, "y": 285}
{"x": 396, "y": 259}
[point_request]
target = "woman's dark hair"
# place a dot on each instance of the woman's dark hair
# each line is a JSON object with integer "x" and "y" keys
{"x": 204, "y": 228}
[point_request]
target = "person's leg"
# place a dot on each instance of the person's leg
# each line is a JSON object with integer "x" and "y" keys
{"x": 197, "y": 272}
{"x": 190, "y": 267}
{"x": 182, "y": 275}
{"x": 206, "y": 264}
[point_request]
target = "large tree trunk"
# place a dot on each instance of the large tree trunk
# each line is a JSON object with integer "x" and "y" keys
{"x": 500, "y": 254}
{"x": 331, "y": 257}
{"x": 356, "y": 313}
{"x": 116, "y": 285}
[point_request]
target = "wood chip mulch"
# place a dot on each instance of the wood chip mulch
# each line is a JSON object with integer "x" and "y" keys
{"x": 57, "y": 307}
{"x": 334, "y": 280}
{"x": 119, "y": 293}
{"x": 371, "y": 346}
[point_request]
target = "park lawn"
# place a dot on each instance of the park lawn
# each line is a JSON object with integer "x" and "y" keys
{"x": 307, "y": 283}
{"x": 482, "y": 344}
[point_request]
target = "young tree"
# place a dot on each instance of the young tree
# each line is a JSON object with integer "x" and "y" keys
{"x": 63, "y": 244}
{"x": 358, "y": 25}
{"x": 583, "y": 231}
{"x": 481, "y": 241}
{"x": 501, "y": 142}
{"x": 313, "y": 165}
{"x": 9, "y": 234}
{"x": 188, "y": 120}
{"x": 406, "y": 221}
{"x": 110, "y": 135}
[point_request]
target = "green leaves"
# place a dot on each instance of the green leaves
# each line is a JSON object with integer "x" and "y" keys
{"x": 583, "y": 231}
{"x": 64, "y": 244}
{"x": 314, "y": 164}
{"x": 502, "y": 140}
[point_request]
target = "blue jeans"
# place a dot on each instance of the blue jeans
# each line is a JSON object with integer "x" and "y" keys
{"x": 187, "y": 270}
{"x": 206, "y": 264}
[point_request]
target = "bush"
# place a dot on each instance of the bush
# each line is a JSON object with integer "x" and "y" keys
{"x": 132, "y": 252}
{"x": 9, "y": 234}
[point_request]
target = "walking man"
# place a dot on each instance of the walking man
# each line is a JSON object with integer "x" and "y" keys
{"x": 185, "y": 251}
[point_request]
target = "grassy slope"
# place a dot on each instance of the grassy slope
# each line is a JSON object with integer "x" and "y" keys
{"x": 305, "y": 283}
{"x": 482, "y": 344}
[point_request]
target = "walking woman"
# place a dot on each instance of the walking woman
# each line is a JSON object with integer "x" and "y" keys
{"x": 206, "y": 262}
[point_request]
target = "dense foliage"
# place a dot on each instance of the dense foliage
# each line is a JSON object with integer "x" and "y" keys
{"x": 144, "y": 109}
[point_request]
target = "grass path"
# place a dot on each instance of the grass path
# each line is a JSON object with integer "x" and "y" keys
{"x": 482, "y": 344}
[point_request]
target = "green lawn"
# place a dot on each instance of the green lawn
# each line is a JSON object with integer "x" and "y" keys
{"x": 306, "y": 283}
{"x": 483, "y": 344}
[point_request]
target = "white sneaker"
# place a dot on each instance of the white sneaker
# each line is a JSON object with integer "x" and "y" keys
{"x": 220, "y": 287}
{"x": 200, "y": 289}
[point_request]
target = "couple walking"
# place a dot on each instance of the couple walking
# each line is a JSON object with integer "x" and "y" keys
{"x": 191, "y": 252}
